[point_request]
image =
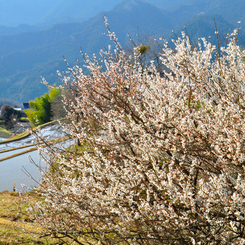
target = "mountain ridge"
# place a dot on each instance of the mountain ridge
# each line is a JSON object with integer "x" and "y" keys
{"x": 25, "y": 56}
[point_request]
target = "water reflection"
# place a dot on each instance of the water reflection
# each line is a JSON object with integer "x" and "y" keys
{"x": 48, "y": 133}
{"x": 11, "y": 171}
{"x": 9, "y": 153}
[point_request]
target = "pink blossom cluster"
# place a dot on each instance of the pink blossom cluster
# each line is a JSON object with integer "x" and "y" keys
{"x": 158, "y": 159}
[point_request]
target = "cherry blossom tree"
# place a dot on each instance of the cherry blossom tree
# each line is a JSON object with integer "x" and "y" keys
{"x": 160, "y": 160}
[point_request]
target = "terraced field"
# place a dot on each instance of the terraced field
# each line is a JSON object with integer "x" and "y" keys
{"x": 15, "y": 155}
{"x": 16, "y": 227}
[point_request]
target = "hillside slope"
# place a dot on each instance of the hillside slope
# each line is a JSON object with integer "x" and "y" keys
{"x": 24, "y": 56}
{"x": 28, "y": 55}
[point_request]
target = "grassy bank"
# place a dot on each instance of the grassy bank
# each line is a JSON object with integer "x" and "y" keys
{"x": 10, "y": 137}
{"x": 16, "y": 227}
{"x": 15, "y": 224}
{"x": 5, "y": 133}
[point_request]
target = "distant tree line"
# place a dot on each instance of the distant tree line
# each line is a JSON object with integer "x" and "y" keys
{"x": 13, "y": 103}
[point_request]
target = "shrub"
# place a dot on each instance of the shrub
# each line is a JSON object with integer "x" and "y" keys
{"x": 10, "y": 116}
{"x": 40, "y": 109}
{"x": 165, "y": 164}
{"x": 6, "y": 112}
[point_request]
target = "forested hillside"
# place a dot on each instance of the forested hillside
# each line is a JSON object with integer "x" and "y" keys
{"x": 231, "y": 11}
{"x": 28, "y": 52}
{"x": 27, "y": 56}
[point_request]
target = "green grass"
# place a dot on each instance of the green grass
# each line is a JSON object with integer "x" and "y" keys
{"x": 5, "y": 133}
{"x": 24, "y": 119}
{"x": 15, "y": 137}
{"x": 15, "y": 225}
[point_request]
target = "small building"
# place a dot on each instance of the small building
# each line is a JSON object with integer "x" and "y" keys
{"x": 26, "y": 106}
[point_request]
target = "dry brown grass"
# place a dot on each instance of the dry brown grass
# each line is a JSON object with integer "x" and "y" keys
{"x": 15, "y": 225}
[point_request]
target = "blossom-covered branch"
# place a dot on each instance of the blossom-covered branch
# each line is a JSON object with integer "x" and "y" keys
{"x": 160, "y": 159}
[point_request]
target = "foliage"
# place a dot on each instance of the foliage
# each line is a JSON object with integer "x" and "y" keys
{"x": 57, "y": 107}
{"x": 40, "y": 109}
{"x": 6, "y": 112}
{"x": 143, "y": 49}
{"x": 5, "y": 133}
{"x": 165, "y": 163}
{"x": 10, "y": 116}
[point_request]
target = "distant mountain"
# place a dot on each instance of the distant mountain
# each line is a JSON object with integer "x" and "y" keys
{"x": 26, "y": 85}
{"x": 151, "y": 20}
{"x": 47, "y": 13}
{"x": 76, "y": 10}
{"x": 16, "y": 12}
{"x": 165, "y": 4}
{"x": 204, "y": 26}
{"x": 28, "y": 52}
{"x": 5, "y": 30}
{"x": 24, "y": 56}
{"x": 29, "y": 40}
{"x": 231, "y": 11}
